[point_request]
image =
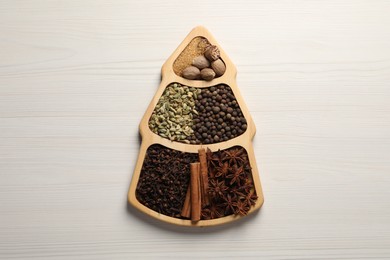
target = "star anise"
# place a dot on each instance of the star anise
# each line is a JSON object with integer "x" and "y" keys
{"x": 247, "y": 186}
{"x": 209, "y": 155}
{"x": 231, "y": 188}
{"x": 213, "y": 158}
{"x": 217, "y": 188}
{"x": 241, "y": 207}
{"x": 229, "y": 204}
{"x": 233, "y": 156}
{"x": 206, "y": 214}
{"x": 235, "y": 174}
{"x": 237, "y": 192}
{"x": 222, "y": 170}
{"x": 215, "y": 211}
{"x": 251, "y": 199}
{"x": 212, "y": 211}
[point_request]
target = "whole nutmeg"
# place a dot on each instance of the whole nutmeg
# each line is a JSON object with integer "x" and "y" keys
{"x": 218, "y": 67}
{"x": 191, "y": 72}
{"x": 201, "y": 62}
{"x": 207, "y": 74}
{"x": 212, "y": 53}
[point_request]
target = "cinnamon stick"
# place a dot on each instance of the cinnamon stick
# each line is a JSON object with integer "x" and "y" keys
{"x": 186, "y": 210}
{"x": 195, "y": 192}
{"x": 204, "y": 177}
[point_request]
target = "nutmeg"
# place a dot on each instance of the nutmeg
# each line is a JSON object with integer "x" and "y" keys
{"x": 212, "y": 53}
{"x": 201, "y": 62}
{"x": 207, "y": 74}
{"x": 191, "y": 72}
{"x": 218, "y": 67}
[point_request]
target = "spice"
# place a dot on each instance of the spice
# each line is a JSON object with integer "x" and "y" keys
{"x": 207, "y": 74}
{"x": 212, "y": 53}
{"x": 198, "y": 115}
{"x": 219, "y": 117}
{"x": 191, "y": 72}
{"x": 231, "y": 187}
{"x": 204, "y": 177}
{"x": 186, "y": 211}
{"x": 199, "y": 60}
{"x": 195, "y": 192}
{"x": 219, "y": 67}
{"x": 170, "y": 183}
{"x": 172, "y": 117}
{"x": 164, "y": 179}
{"x": 194, "y": 49}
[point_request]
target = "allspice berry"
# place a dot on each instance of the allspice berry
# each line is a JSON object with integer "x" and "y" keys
{"x": 191, "y": 72}
{"x": 219, "y": 67}
{"x": 201, "y": 62}
{"x": 207, "y": 74}
{"x": 212, "y": 53}
{"x": 214, "y": 121}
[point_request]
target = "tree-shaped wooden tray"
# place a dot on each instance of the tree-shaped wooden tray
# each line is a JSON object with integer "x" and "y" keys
{"x": 151, "y": 137}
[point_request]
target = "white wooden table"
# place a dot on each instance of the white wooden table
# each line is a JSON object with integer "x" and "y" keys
{"x": 77, "y": 76}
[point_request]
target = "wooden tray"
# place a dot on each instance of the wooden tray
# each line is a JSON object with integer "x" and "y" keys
{"x": 149, "y": 138}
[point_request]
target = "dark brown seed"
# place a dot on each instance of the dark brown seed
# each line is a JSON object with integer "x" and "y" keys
{"x": 164, "y": 180}
{"x": 217, "y": 109}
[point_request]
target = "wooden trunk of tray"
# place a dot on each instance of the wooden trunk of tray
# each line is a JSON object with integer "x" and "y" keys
{"x": 149, "y": 138}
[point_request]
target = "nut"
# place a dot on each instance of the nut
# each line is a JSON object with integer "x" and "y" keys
{"x": 203, "y": 44}
{"x": 191, "y": 72}
{"x": 218, "y": 67}
{"x": 207, "y": 74}
{"x": 201, "y": 62}
{"x": 212, "y": 53}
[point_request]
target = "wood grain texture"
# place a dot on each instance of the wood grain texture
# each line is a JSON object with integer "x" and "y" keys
{"x": 77, "y": 76}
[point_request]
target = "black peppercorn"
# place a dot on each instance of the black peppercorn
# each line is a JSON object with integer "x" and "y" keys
{"x": 217, "y": 110}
